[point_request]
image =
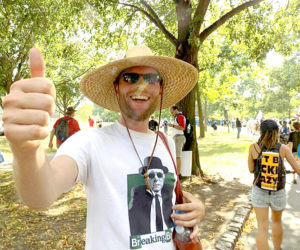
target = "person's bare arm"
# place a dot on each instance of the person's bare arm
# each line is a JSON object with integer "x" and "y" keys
{"x": 178, "y": 127}
{"x": 175, "y": 126}
{"x": 251, "y": 160}
{"x": 38, "y": 182}
{"x": 290, "y": 145}
{"x": 287, "y": 153}
{"x": 26, "y": 115}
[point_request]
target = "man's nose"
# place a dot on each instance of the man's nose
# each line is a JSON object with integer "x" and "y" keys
{"x": 141, "y": 85}
{"x": 156, "y": 178}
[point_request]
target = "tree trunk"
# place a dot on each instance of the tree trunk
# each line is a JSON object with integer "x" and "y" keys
{"x": 205, "y": 113}
{"x": 200, "y": 114}
{"x": 188, "y": 53}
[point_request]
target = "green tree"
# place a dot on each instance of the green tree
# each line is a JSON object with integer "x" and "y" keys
{"x": 49, "y": 25}
{"x": 84, "y": 112}
{"x": 187, "y": 28}
{"x": 67, "y": 62}
{"x": 105, "y": 114}
{"x": 282, "y": 97}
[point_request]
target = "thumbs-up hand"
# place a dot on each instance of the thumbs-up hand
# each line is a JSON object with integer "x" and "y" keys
{"x": 28, "y": 106}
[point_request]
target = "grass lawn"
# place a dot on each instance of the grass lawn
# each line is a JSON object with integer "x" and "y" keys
{"x": 222, "y": 153}
{"x": 4, "y": 147}
{"x": 62, "y": 226}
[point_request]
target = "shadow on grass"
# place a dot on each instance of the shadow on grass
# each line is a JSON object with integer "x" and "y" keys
{"x": 61, "y": 226}
{"x": 223, "y": 144}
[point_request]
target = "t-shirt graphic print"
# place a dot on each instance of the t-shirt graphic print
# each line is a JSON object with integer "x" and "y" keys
{"x": 150, "y": 209}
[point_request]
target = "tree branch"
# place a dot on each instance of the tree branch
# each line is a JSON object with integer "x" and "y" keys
{"x": 199, "y": 15}
{"x": 18, "y": 75}
{"x": 205, "y": 33}
{"x": 155, "y": 19}
{"x": 73, "y": 78}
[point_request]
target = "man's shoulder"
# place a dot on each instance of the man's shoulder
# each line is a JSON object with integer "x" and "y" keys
{"x": 180, "y": 115}
{"x": 113, "y": 129}
{"x": 72, "y": 120}
{"x": 167, "y": 186}
{"x": 59, "y": 119}
{"x": 140, "y": 189}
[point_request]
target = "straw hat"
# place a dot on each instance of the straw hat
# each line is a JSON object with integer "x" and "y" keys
{"x": 179, "y": 78}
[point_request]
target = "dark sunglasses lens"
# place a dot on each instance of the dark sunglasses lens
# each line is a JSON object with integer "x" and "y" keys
{"x": 152, "y": 175}
{"x": 151, "y": 78}
{"x": 131, "y": 77}
{"x": 159, "y": 175}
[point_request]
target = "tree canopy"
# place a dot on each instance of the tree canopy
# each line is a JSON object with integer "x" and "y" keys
{"x": 224, "y": 40}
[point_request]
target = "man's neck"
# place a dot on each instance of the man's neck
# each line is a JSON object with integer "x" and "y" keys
{"x": 139, "y": 126}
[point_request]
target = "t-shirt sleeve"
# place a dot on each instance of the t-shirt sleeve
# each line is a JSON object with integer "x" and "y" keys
{"x": 78, "y": 148}
{"x": 181, "y": 120}
{"x": 73, "y": 127}
{"x": 76, "y": 126}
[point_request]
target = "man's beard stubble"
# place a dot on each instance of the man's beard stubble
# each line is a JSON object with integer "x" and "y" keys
{"x": 128, "y": 112}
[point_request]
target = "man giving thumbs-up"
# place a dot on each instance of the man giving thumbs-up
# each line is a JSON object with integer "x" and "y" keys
{"x": 108, "y": 161}
{"x": 27, "y": 111}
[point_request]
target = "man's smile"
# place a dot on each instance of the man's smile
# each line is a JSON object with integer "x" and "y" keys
{"x": 140, "y": 98}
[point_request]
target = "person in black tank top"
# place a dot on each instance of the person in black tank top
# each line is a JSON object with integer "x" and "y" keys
{"x": 265, "y": 195}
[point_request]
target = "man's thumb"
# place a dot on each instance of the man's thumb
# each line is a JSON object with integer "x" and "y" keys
{"x": 36, "y": 63}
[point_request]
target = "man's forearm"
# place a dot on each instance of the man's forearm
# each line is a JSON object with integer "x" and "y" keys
{"x": 34, "y": 179}
{"x": 178, "y": 127}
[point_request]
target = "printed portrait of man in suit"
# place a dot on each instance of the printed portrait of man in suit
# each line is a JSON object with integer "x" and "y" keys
{"x": 150, "y": 210}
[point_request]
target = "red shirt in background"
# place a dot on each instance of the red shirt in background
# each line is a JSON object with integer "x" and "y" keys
{"x": 181, "y": 120}
{"x": 91, "y": 122}
{"x": 73, "y": 127}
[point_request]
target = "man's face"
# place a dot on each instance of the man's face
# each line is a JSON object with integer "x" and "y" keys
{"x": 173, "y": 112}
{"x": 138, "y": 100}
{"x": 156, "y": 179}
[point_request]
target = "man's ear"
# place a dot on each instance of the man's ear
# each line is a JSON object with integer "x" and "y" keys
{"x": 116, "y": 87}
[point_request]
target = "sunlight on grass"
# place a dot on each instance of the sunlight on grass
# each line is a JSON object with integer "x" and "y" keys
{"x": 223, "y": 150}
{"x": 4, "y": 146}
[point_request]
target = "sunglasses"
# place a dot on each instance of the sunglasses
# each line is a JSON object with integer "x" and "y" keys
{"x": 152, "y": 175}
{"x": 135, "y": 77}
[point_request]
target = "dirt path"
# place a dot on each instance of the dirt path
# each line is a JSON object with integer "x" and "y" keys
{"x": 220, "y": 200}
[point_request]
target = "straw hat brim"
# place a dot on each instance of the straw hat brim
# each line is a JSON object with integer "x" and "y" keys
{"x": 179, "y": 78}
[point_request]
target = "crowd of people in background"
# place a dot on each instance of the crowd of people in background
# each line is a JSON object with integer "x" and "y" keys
{"x": 288, "y": 130}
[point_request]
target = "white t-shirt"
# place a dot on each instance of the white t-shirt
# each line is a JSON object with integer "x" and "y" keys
{"x": 176, "y": 131}
{"x": 109, "y": 168}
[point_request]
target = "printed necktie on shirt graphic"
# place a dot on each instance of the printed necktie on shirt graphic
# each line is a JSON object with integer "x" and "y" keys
{"x": 145, "y": 207}
{"x": 269, "y": 170}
